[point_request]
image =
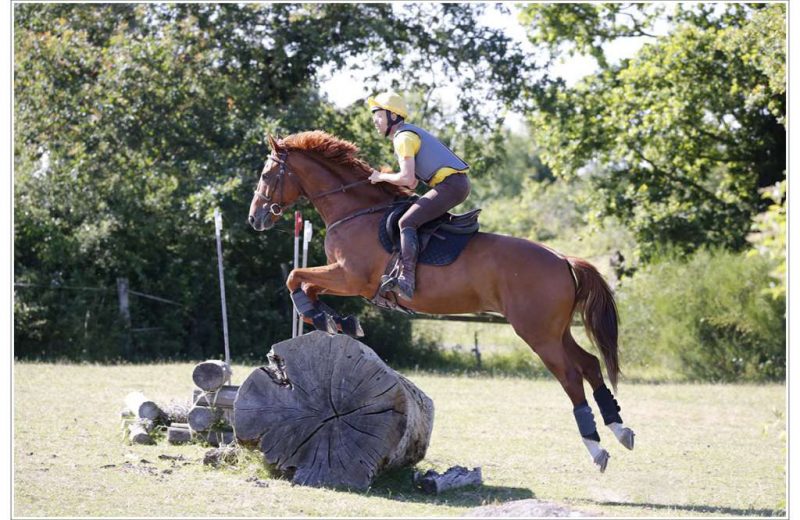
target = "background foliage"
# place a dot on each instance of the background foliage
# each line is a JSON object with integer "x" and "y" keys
{"x": 134, "y": 121}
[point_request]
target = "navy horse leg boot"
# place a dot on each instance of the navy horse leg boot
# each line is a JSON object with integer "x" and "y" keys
{"x": 409, "y": 251}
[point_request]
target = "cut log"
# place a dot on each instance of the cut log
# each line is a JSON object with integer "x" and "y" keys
{"x": 223, "y": 397}
{"x": 457, "y": 476}
{"x": 327, "y": 411}
{"x": 140, "y": 432}
{"x": 176, "y": 411}
{"x": 210, "y": 375}
{"x": 179, "y": 433}
{"x": 142, "y": 407}
{"x": 202, "y": 418}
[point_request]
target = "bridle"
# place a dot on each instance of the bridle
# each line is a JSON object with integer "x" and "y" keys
{"x": 279, "y": 209}
{"x": 274, "y": 207}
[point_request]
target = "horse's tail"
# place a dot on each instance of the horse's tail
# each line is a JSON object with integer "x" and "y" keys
{"x": 596, "y": 302}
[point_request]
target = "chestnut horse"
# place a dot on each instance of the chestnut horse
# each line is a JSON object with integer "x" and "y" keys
{"x": 534, "y": 287}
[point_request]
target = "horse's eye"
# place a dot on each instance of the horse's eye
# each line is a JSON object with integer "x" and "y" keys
{"x": 264, "y": 177}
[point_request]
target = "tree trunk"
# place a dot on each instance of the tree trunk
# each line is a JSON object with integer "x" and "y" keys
{"x": 327, "y": 411}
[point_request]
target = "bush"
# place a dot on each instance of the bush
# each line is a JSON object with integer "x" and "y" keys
{"x": 707, "y": 317}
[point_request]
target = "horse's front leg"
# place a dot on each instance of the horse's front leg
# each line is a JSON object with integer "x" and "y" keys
{"x": 346, "y": 324}
{"x": 305, "y": 284}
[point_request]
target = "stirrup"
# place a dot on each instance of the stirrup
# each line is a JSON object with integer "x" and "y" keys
{"x": 388, "y": 284}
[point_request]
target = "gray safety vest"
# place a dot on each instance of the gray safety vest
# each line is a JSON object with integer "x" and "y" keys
{"x": 432, "y": 154}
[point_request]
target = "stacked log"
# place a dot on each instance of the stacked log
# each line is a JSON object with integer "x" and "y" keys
{"x": 139, "y": 431}
{"x": 211, "y": 417}
{"x": 327, "y": 411}
{"x": 179, "y": 433}
{"x": 143, "y": 407}
{"x": 141, "y": 415}
{"x": 211, "y": 375}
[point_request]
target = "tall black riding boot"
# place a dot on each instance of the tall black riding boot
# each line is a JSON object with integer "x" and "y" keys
{"x": 409, "y": 250}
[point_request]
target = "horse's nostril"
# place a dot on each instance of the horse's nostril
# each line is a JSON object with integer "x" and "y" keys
{"x": 251, "y": 219}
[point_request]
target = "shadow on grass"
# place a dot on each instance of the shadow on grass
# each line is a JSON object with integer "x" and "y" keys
{"x": 397, "y": 485}
{"x": 718, "y": 510}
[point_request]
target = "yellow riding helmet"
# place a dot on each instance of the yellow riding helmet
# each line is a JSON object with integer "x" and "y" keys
{"x": 391, "y": 101}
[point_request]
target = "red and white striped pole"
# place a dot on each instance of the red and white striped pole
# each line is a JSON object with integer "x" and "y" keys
{"x": 298, "y": 227}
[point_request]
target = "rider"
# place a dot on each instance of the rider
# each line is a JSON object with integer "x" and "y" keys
{"x": 422, "y": 157}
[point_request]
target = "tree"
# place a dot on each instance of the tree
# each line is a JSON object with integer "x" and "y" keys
{"x": 134, "y": 121}
{"x": 683, "y": 135}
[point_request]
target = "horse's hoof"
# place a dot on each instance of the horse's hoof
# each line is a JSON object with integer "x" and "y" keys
{"x": 331, "y": 324}
{"x": 352, "y": 327}
{"x": 626, "y": 438}
{"x": 601, "y": 460}
{"x": 324, "y": 322}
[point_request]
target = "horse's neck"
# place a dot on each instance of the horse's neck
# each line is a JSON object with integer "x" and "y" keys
{"x": 321, "y": 177}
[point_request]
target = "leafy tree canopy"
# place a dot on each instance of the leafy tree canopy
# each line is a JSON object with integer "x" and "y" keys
{"x": 679, "y": 139}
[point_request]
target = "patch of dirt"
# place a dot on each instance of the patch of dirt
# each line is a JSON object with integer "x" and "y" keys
{"x": 528, "y": 508}
{"x": 257, "y": 482}
{"x": 140, "y": 469}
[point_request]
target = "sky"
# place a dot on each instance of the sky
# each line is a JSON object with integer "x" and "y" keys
{"x": 347, "y": 85}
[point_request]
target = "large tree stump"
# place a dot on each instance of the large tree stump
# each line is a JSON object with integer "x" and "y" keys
{"x": 327, "y": 411}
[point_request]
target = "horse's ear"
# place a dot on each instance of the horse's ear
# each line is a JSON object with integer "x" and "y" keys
{"x": 273, "y": 143}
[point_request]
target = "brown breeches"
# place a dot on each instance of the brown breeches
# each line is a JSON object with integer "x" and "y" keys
{"x": 446, "y": 195}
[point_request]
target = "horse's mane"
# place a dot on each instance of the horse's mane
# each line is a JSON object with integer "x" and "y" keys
{"x": 338, "y": 151}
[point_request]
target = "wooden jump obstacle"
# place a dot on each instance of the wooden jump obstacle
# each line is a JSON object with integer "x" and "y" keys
{"x": 208, "y": 417}
{"x": 327, "y": 411}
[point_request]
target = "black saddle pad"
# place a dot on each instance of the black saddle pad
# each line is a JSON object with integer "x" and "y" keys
{"x": 442, "y": 248}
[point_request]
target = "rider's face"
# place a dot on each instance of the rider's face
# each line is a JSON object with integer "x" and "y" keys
{"x": 379, "y": 120}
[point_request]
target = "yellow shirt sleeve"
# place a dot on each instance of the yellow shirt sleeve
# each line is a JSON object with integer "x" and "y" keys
{"x": 406, "y": 144}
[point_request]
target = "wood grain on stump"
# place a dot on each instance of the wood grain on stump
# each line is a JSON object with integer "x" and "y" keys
{"x": 327, "y": 411}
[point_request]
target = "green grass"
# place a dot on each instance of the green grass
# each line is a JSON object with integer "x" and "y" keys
{"x": 702, "y": 450}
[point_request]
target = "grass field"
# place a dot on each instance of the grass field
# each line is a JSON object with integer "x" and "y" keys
{"x": 701, "y": 450}
{"x": 503, "y": 351}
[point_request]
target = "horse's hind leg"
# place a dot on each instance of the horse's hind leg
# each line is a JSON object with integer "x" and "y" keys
{"x": 550, "y": 349}
{"x": 589, "y": 367}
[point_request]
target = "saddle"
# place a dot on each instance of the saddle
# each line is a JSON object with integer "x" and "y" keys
{"x": 441, "y": 241}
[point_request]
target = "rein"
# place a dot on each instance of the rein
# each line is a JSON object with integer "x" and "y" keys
{"x": 368, "y": 211}
{"x": 278, "y": 209}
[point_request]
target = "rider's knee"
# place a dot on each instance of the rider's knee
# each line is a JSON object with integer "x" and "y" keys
{"x": 406, "y": 222}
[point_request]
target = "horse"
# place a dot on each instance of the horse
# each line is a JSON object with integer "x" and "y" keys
{"x": 534, "y": 287}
